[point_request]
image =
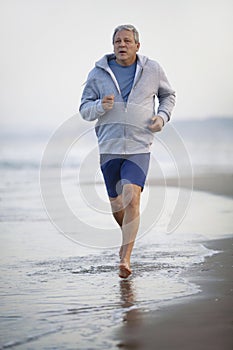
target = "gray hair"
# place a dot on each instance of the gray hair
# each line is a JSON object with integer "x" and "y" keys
{"x": 127, "y": 27}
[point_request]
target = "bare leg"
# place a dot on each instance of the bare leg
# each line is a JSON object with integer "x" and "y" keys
{"x": 118, "y": 213}
{"x": 125, "y": 210}
{"x": 117, "y": 209}
{"x": 131, "y": 201}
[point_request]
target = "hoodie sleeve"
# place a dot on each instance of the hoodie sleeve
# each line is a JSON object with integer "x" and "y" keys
{"x": 166, "y": 97}
{"x": 91, "y": 107}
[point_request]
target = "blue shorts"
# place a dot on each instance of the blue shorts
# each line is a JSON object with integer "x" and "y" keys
{"x": 119, "y": 170}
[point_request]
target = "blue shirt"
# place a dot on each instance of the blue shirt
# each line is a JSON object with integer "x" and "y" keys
{"x": 124, "y": 76}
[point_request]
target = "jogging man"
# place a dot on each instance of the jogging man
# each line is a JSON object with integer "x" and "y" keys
{"x": 130, "y": 98}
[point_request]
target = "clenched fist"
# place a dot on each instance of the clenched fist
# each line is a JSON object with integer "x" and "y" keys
{"x": 157, "y": 124}
{"x": 108, "y": 102}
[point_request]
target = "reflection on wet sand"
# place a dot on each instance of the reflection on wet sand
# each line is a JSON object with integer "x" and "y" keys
{"x": 127, "y": 290}
{"x": 128, "y": 300}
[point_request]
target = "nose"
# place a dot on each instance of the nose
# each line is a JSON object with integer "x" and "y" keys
{"x": 122, "y": 43}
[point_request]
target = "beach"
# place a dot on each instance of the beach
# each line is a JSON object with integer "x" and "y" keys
{"x": 58, "y": 295}
{"x": 60, "y": 245}
{"x": 59, "y": 268}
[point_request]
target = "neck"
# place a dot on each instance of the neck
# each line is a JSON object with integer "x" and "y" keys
{"x": 125, "y": 63}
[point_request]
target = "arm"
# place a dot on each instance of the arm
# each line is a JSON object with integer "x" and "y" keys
{"x": 91, "y": 105}
{"x": 166, "y": 96}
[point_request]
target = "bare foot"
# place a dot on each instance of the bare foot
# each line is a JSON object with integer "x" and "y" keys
{"x": 124, "y": 270}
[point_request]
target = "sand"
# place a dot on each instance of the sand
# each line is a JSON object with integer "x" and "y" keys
{"x": 200, "y": 322}
{"x": 204, "y": 321}
{"x": 216, "y": 183}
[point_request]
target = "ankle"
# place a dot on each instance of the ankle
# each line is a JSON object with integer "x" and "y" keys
{"x": 125, "y": 261}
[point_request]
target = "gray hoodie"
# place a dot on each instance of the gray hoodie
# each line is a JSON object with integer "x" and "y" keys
{"x": 124, "y": 129}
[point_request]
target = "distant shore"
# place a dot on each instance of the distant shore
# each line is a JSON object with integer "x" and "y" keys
{"x": 216, "y": 183}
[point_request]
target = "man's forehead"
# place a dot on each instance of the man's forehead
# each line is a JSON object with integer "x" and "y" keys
{"x": 125, "y": 33}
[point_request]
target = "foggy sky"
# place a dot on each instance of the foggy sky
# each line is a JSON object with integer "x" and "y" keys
{"x": 49, "y": 46}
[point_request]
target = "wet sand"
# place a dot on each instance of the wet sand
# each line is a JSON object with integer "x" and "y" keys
{"x": 200, "y": 322}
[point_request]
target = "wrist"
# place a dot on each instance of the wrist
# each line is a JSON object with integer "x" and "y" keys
{"x": 163, "y": 116}
{"x": 162, "y": 119}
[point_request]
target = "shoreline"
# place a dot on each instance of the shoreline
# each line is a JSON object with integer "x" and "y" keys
{"x": 215, "y": 183}
{"x": 201, "y": 321}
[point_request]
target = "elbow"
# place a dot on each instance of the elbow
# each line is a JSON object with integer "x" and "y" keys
{"x": 87, "y": 114}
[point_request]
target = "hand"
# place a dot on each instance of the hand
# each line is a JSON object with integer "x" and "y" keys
{"x": 108, "y": 102}
{"x": 157, "y": 123}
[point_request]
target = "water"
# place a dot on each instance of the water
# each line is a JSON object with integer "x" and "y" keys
{"x": 62, "y": 291}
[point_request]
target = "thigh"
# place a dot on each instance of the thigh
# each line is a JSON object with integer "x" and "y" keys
{"x": 134, "y": 169}
{"x": 111, "y": 170}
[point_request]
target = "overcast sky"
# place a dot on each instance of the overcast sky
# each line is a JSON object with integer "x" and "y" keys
{"x": 49, "y": 46}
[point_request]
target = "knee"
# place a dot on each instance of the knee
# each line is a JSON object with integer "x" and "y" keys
{"x": 116, "y": 204}
{"x": 131, "y": 197}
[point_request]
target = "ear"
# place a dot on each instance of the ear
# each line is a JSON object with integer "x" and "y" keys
{"x": 138, "y": 46}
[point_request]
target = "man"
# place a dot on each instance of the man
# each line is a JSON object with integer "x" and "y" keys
{"x": 121, "y": 93}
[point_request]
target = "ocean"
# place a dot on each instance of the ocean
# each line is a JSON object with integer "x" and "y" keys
{"x": 59, "y": 244}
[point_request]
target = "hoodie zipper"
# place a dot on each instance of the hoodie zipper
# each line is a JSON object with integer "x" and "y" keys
{"x": 138, "y": 74}
{"x": 137, "y": 77}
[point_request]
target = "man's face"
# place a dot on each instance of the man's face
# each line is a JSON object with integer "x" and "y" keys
{"x": 125, "y": 47}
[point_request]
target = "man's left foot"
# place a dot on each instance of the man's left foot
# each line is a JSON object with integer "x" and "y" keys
{"x": 124, "y": 270}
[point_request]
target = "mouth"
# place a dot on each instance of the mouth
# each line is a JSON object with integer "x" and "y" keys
{"x": 122, "y": 52}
